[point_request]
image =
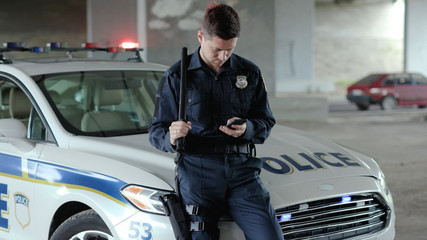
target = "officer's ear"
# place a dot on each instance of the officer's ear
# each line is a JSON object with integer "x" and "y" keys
{"x": 200, "y": 36}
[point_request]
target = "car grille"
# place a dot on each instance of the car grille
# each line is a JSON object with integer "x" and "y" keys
{"x": 334, "y": 218}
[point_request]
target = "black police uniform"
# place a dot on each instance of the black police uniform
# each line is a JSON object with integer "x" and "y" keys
{"x": 217, "y": 172}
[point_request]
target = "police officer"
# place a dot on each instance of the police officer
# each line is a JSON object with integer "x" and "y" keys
{"x": 218, "y": 172}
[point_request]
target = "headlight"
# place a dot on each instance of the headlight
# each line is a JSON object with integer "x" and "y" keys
{"x": 145, "y": 199}
{"x": 374, "y": 90}
{"x": 356, "y": 92}
{"x": 383, "y": 185}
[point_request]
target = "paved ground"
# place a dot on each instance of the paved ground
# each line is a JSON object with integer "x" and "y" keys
{"x": 398, "y": 141}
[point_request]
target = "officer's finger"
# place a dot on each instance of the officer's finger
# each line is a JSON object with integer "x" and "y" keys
{"x": 234, "y": 133}
{"x": 178, "y": 129}
{"x": 231, "y": 119}
{"x": 180, "y": 124}
{"x": 239, "y": 130}
{"x": 172, "y": 136}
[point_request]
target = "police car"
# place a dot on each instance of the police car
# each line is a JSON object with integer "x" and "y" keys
{"x": 75, "y": 161}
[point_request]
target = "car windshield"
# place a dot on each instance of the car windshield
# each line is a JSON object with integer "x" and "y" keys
{"x": 102, "y": 103}
{"x": 369, "y": 79}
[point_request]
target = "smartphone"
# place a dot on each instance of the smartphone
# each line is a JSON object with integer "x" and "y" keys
{"x": 236, "y": 122}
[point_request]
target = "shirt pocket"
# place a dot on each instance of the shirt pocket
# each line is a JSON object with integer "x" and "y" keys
{"x": 198, "y": 107}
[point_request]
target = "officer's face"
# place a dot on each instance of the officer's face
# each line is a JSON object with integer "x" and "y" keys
{"x": 215, "y": 51}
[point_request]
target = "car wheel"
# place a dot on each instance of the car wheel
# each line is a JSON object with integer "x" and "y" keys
{"x": 388, "y": 103}
{"x": 84, "y": 225}
{"x": 362, "y": 106}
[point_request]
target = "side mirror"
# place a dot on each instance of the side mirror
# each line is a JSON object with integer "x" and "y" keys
{"x": 14, "y": 132}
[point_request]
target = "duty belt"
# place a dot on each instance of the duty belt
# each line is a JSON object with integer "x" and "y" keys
{"x": 222, "y": 149}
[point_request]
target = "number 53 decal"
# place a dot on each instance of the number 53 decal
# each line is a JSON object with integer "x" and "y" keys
{"x": 140, "y": 230}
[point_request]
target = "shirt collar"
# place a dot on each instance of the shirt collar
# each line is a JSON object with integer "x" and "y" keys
{"x": 196, "y": 62}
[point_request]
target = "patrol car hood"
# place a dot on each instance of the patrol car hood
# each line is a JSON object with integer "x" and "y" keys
{"x": 290, "y": 156}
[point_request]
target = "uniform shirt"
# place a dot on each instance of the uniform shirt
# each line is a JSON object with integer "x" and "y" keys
{"x": 212, "y": 99}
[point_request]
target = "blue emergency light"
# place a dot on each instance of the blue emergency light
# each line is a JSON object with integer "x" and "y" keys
{"x": 14, "y": 45}
{"x": 57, "y": 45}
{"x": 285, "y": 217}
{"x": 40, "y": 49}
{"x": 345, "y": 199}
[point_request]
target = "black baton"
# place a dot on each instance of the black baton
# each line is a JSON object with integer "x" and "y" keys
{"x": 182, "y": 96}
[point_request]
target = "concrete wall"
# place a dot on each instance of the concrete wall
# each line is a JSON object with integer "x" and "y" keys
{"x": 37, "y": 22}
{"x": 173, "y": 24}
{"x": 300, "y": 46}
{"x": 355, "y": 38}
{"x": 416, "y": 36}
{"x": 112, "y": 22}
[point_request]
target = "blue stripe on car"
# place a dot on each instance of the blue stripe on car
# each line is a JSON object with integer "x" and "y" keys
{"x": 11, "y": 165}
{"x": 54, "y": 174}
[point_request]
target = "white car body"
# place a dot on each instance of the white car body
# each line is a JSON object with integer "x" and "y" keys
{"x": 40, "y": 181}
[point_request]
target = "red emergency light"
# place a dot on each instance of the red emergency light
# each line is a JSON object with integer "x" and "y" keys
{"x": 129, "y": 45}
{"x": 91, "y": 45}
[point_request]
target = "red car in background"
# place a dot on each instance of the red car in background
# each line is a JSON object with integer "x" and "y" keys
{"x": 389, "y": 90}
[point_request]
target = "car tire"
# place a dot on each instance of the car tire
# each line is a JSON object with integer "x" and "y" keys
{"x": 388, "y": 103}
{"x": 362, "y": 106}
{"x": 84, "y": 225}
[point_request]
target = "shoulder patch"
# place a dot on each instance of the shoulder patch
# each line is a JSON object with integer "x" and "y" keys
{"x": 265, "y": 85}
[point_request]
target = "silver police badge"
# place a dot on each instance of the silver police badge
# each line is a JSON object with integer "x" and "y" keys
{"x": 241, "y": 82}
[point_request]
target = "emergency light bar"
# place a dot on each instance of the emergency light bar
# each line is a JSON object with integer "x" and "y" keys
{"x": 60, "y": 46}
{"x": 14, "y": 45}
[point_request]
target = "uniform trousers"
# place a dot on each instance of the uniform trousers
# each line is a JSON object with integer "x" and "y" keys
{"x": 228, "y": 184}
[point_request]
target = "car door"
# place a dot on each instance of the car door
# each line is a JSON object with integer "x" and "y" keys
{"x": 421, "y": 88}
{"x": 18, "y": 156}
{"x": 405, "y": 89}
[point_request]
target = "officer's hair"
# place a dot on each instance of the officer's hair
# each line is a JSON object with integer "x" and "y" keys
{"x": 221, "y": 21}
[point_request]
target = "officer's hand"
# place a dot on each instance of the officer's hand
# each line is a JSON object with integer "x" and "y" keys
{"x": 237, "y": 130}
{"x": 178, "y": 129}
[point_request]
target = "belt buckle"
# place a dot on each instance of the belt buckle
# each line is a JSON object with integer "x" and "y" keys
{"x": 192, "y": 209}
{"x": 197, "y": 226}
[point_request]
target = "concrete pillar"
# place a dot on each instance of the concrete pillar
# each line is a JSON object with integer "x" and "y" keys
{"x": 111, "y": 22}
{"x": 416, "y": 36}
{"x": 294, "y": 63}
{"x": 294, "y": 26}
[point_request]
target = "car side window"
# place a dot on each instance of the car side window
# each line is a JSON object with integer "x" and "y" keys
{"x": 419, "y": 79}
{"x": 389, "y": 81}
{"x": 4, "y": 99}
{"x": 403, "y": 80}
{"x": 37, "y": 130}
{"x": 14, "y": 103}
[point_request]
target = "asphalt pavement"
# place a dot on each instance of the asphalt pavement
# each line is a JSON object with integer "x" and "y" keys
{"x": 397, "y": 140}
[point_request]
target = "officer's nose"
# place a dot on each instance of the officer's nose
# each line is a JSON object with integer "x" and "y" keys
{"x": 223, "y": 55}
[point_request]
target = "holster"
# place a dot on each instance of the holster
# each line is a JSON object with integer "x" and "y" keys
{"x": 177, "y": 216}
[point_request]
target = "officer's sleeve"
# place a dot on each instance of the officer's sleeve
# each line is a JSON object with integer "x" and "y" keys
{"x": 166, "y": 111}
{"x": 260, "y": 118}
